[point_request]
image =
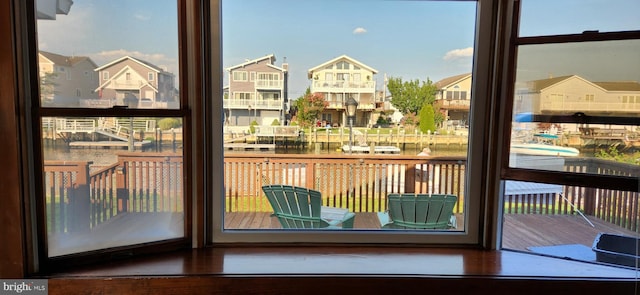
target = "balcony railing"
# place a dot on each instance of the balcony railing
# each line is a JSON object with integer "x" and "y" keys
{"x": 563, "y": 105}
{"x": 152, "y": 182}
{"x": 362, "y": 104}
{"x": 343, "y": 86}
{"x": 254, "y": 104}
{"x": 269, "y": 84}
{"x": 127, "y": 84}
{"x": 454, "y": 104}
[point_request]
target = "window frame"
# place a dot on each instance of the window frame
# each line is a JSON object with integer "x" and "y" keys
{"x": 510, "y": 98}
{"x": 35, "y": 210}
{"x": 558, "y": 177}
{"x": 486, "y": 16}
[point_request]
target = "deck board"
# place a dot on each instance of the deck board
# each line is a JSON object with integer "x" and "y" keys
{"x": 520, "y": 231}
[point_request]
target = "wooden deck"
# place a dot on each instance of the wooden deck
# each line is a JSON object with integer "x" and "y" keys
{"x": 520, "y": 231}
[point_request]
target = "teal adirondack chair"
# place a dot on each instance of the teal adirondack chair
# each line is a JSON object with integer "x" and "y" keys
{"x": 299, "y": 207}
{"x": 419, "y": 211}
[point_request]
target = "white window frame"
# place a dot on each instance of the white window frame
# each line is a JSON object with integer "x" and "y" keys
{"x": 105, "y": 75}
{"x": 470, "y": 235}
{"x": 150, "y": 76}
{"x": 240, "y": 76}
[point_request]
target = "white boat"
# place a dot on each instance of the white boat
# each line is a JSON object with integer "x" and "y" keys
{"x": 542, "y": 144}
{"x": 543, "y": 149}
{"x": 365, "y": 149}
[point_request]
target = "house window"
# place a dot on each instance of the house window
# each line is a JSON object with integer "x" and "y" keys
{"x": 342, "y": 65}
{"x": 557, "y": 164}
{"x": 351, "y": 187}
{"x": 589, "y": 97}
{"x": 240, "y": 76}
{"x": 269, "y": 76}
{"x": 151, "y": 76}
{"x": 243, "y": 95}
{"x": 88, "y": 197}
{"x": 252, "y": 77}
{"x": 164, "y": 184}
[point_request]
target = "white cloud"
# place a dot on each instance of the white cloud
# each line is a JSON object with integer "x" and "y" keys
{"x": 142, "y": 17}
{"x": 458, "y": 53}
{"x": 359, "y": 30}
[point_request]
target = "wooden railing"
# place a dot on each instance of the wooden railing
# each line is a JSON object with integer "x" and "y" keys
{"x": 359, "y": 183}
{"x": 153, "y": 182}
{"x": 66, "y": 190}
{"x": 77, "y": 200}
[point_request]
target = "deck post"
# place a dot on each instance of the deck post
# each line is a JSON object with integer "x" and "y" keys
{"x": 410, "y": 179}
{"x": 122, "y": 192}
{"x": 79, "y": 200}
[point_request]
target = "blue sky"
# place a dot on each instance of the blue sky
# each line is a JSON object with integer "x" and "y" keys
{"x": 408, "y": 39}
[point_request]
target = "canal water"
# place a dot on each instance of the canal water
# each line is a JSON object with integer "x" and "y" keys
{"x": 104, "y": 157}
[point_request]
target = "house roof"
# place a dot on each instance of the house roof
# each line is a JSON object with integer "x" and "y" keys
{"x": 342, "y": 57}
{"x": 270, "y": 57}
{"x": 67, "y": 61}
{"x": 119, "y": 73}
{"x": 619, "y": 86}
{"x": 446, "y": 82}
{"x": 537, "y": 85}
{"x": 142, "y": 62}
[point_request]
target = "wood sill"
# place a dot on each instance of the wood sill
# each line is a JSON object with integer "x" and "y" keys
{"x": 284, "y": 270}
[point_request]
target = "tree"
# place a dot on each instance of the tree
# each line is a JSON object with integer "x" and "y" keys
{"x": 427, "y": 118}
{"x": 309, "y": 107}
{"x": 410, "y": 96}
{"x": 48, "y": 86}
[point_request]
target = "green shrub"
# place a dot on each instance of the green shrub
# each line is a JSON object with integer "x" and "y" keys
{"x": 169, "y": 123}
{"x": 427, "y": 119}
{"x": 275, "y": 122}
{"x": 252, "y": 127}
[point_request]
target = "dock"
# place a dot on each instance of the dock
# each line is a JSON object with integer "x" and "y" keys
{"x": 108, "y": 144}
{"x": 367, "y": 149}
{"x": 250, "y": 146}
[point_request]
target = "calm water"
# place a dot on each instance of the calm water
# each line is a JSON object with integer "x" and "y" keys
{"x": 104, "y": 157}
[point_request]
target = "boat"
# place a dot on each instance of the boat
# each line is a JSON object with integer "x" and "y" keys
{"x": 543, "y": 144}
{"x": 365, "y": 149}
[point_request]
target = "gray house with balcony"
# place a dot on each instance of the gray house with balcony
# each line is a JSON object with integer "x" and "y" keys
{"x": 341, "y": 78}
{"x": 257, "y": 91}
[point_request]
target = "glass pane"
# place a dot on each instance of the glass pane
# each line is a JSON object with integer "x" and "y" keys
{"x": 594, "y": 78}
{"x": 101, "y": 54}
{"x": 111, "y": 182}
{"x": 571, "y": 222}
{"x": 297, "y": 129}
{"x": 553, "y": 17}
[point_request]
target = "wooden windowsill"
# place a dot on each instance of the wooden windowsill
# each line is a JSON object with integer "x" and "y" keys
{"x": 246, "y": 269}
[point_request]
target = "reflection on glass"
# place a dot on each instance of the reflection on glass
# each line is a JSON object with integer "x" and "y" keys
{"x": 594, "y": 78}
{"x": 111, "y": 182}
{"x": 286, "y": 121}
{"x": 576, "y": 16}
{"x": 578, "y": 223}
{"x": 108, "y": 54}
